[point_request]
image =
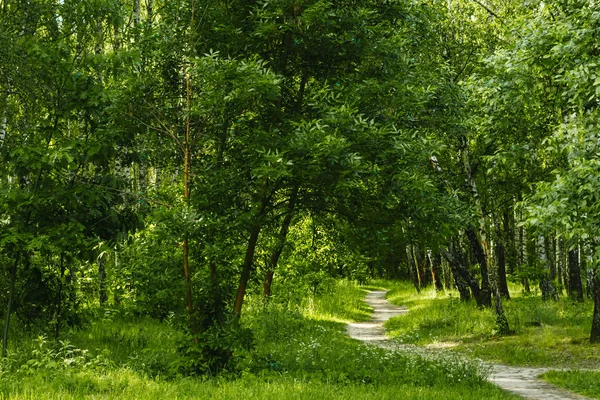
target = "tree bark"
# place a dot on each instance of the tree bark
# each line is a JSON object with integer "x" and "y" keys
{"x": 246, "y": 268}
{"x": 502, "y": 283}
{"x": 11, "y": 295}
{"x": 59, "y": 297}
{"x": 187, "y": 166}
{"x": 482, "y": 249}
{"x": 436, "y": 270}
{"x": 216, "y": 293}
{"x": 462, "y": 274}
{"x": 509, "y": 241}
{"x": 103, "y": 297}
{"x": 550, "y": 257}
{"x": 595, "y": 333}
{"x": 136, "y": 13}
{"x": 285, "y": 227}
{"x": 575, "y": 285}
{"x": 150, "y": 12}
{"x": 480, "y": 255}
{"x": 561, "y": 270}
{"x": 426, "y": 275}
{"x": 501, "y": 320}
{"x": 249, "y": 258}
{"x": 414, "y": 272}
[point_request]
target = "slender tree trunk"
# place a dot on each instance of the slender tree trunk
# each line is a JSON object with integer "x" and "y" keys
{"x": 217, "y": 299}
{"x": 509, "y": 234}
{"x": 57, "y": 317}
{"x": 285, "y": 227}
{"x": 550, "y": 257}
{"x": 562, "y": 281}
{"x": 246, "y": 268}
{"x": 448, "y": 276}
{"x": 436, "y": 270}
{"x": 102, "y": 279}
{"x": 249, "y": 258}
{"x": 11, "y": 295}
{"x": 483, "y": 253}
{"x": 149, "y": 12}
{"x": 586, "y": 253}
{"x": 187, "y": 166}
{"x": 501, "y": 257}
{"x": 426, "y": 268}
{"x": 575, "y": 285}
{"x": 501, "y": 320}
{"x": 414, "y": 271}
{"x": 595, "y": 333}
{"x": 480, "y": 255}
{"x": 136, "y": 13}
{"x": 478, "y": 244}
{"x": 3, "y": 128}
{"x": 420, "y": 266}
{"x": 547, "y": 288}
{"x": 462, "y": 274}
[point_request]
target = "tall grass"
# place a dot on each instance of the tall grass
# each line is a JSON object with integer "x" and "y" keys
{"x": 300, "y": 352}
{"x": 586, "y": 383}
{"x": 546, "y": 333}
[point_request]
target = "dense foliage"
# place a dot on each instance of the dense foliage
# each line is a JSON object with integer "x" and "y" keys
{"x": 168, "y": 158}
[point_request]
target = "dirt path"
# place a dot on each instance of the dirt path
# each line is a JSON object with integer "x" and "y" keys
{"x": 520, "y": 380}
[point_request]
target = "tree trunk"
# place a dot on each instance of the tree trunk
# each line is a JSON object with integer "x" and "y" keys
{"x": 3, "y": 127}
{"x": 136, "y": 13}
{"x": 150, "y": 12}
{"x": 436, "y": 270}
{"x": 216, "y": 293}
{"x": 187, "y": 166}
{"x": 595, "y": 333}
{"x": 562, "y": 282}
{"x": 426, "y": 274}
{"x": 550, "y": 257}
{"x": 509, "y": 241}
{"x": 285, "y": 227}
{"x": 420, "y": 265}
{"x": 246, "y": 268}
{"x": 462, "y": 274}
{"x": 501, "y": 320}
{"x": 57, "y": 317}
{"x": 414, "y": 272}
{"x": 575, "y": 285}
{"x": 11, "y": 295}
{"x": 102, "y": 279}
{"x": 478, "y": 251}
{"x": 249, "y": 258}
{"x": 501, "y": 257}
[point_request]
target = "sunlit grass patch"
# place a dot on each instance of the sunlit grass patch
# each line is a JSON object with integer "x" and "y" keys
{"x": 545, "y": 333}
{"x": 586, "y": 383}
{"x": 300, "y": 351}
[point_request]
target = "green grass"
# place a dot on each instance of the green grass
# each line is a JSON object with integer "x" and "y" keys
{"x": 545, "y": 333}
{"x": 301, "y": 352}
{"x": 586, "y": 383}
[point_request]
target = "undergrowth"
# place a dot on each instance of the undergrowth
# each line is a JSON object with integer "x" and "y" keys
{"x": 300, "y": 351}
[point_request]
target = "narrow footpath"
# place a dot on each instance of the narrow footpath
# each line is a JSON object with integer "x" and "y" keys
{"x": 519, "y": 380}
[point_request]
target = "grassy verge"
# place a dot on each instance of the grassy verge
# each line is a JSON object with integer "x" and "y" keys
{"x": 546, "y": 333}
{"x": 586, "y": 383}
{"x": 300, "y": 352}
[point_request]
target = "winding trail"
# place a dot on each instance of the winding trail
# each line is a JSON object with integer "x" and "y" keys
{"x": 519, "y": 380}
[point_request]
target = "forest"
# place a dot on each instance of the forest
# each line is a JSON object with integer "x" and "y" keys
{"x": 197, "y": 195}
